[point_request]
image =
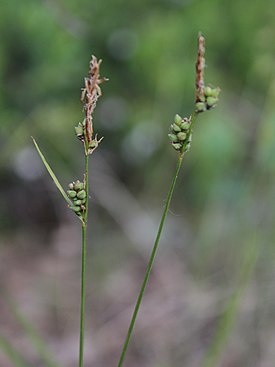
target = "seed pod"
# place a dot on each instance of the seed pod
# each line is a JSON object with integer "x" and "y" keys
{"x": 78, "y": 185}
{"x": 181, "y": 136}
{"x": 211, "y": 101}
{"x": 81, "y": 194}
{"x": 77, "y": 202}
{"x": 185, "y": 125}
{"x": 177, "y": 146}
{"x": 71, "y": 193}
{"x": 216, "y": 92}
{"x": 176, "y": 128}
{"x": 93, "y": 144}
{"x": 76, "y": 208}
{"x": 208, "y": 91}
{"x": 79, "y": 130}
{"x": 71, "y": 186}
{"x": 173, "y": 138}
{"x": 177, "y": 119}
{"x": 200, "y": 107}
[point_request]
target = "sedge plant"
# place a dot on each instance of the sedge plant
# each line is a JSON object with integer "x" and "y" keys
{"x": 206, "y": 98}
{"x": 78, "y": 193}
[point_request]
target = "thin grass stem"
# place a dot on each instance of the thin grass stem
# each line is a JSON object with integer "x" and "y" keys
{"x": 83, "y": 267}
{"x": 150, "y": 263}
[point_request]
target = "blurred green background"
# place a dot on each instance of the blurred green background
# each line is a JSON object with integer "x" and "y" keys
{"x": 211, "y": 297}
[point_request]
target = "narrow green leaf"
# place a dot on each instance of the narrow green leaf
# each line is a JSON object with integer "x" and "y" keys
{"x": 226, "y": 323}
{"x": 53, "y": 176}
{"x": 11, "y": 353}
{"x": 34, "y": 337}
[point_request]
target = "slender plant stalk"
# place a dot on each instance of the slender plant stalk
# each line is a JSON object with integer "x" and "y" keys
{"x": 181, "y": 136}
{"x": 151, "y": 260}
{"x": 83, "y": 267}
{"x": 77, "y": 197}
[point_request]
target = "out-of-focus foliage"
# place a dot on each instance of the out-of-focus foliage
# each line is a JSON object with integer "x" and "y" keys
{"x": 225, "y": 194}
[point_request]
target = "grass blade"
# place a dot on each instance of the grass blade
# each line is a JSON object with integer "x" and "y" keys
{"x": 51, "y": 173}
{"x": 34, "y": 337}
{"x": 11, "y": 353}
{"x": 228, "y": 319}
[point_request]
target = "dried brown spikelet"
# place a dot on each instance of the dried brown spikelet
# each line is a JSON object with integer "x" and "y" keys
{"x": 90, "y": 95}
{"x": 200, "y": 64}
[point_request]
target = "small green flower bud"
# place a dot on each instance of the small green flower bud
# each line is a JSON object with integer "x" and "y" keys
{"x": 185, "y": 126}
{"x": 173, "y": 138}
{"x": 181, "y": 136}
{"x": 211, "y": 101}
{"x": 71, "y": 186}
{"x": 200, "y": 107}
{"x": 71, "y": 193}
{"x": 201, "y": 98}
{"x": 81, "y": 194}
{"x": 208, "y": 91}
{"x": 79, "y": 129}
{"x": 216, "y": 92}
{"x": 176, "y": 128}
{"x": 78, "y": 185}
{"x": 83, "y": 201}
{"x": 76, "y": 208}
{"x": 177, "y": 119}
{"x": 77, "y": 202}
{"x": 93, "y": 144}
{"x": 177, "y": 146}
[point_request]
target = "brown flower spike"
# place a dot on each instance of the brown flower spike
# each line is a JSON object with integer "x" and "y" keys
{"x": 200, "y": 64}
{"x": 90, "y": 94}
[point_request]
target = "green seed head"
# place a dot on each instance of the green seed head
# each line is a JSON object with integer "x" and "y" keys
{"x": 71, "y": 193}
{"x": 83, "y": 201}
{"x": 81, "y": 194}
{"x": 93, "y": 144}
{"x": 181, "y": 136}
{"x": 78, "y": 185}
{"x": 177, "y": 119}
{"x": 173, "y": 138}
{"x": 79, "y": 129}
{"x": 77, "y": 202}
{"x": 75, "y": 208}
{"x": 211, "y": 101}
{"x": 216, "y": 92}
{"x": 208, "y": 91}
{"x": 185, "y": 126}
{"x": 176, "y": 128}
{"x": 200, "y": 107}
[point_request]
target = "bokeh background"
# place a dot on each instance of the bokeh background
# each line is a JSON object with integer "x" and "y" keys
{"x": 211, "y": 297}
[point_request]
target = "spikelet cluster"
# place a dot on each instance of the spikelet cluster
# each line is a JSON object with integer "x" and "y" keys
{"x": 90, "y": 94}
{"x": 181, "y": 134}
{"x": 77, "y": 194}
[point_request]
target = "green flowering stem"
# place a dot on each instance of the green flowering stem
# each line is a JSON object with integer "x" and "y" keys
{"x": 83, "y": 266}
{"x": 151, "y": 260}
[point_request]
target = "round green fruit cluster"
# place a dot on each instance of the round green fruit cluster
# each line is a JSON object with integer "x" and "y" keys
{"x": 77, "y": 194}
{"x": 181, "y": 133}
{"x": 209, "y": 100}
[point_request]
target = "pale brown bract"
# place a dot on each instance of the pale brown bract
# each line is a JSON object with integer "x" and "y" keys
{"x": 89, "y": 96}
{"x": 200, "y": 64}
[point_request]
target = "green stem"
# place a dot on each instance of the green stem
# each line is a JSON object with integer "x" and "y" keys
{"x": 83, "y": 266}
{"x": 150, "y": 263}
